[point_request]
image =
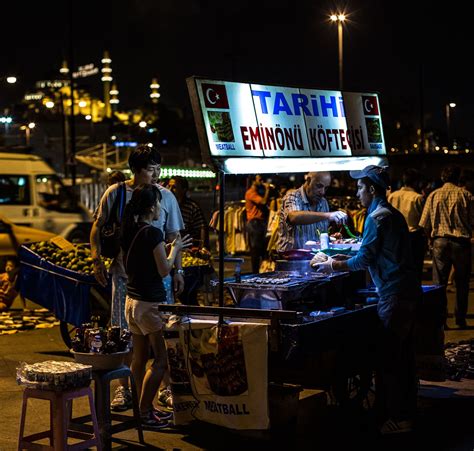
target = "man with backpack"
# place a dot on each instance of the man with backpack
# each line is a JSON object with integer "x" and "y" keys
{"x": 145, "y": 164}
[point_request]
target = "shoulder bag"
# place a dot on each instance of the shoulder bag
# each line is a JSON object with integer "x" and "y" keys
{"x": 110, "y": 231}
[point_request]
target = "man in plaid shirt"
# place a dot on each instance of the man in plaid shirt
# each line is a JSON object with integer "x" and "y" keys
{"x": 305, "y": 212}
{"x": 448, "y": 219}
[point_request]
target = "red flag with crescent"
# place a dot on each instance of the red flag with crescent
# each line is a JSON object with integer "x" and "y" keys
{"x": 215, "y": 96}
{"x": 370, "y": 104}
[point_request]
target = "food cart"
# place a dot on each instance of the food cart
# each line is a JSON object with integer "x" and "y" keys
{"x": 320, "y": 331}
{"x": 57, "y": 275}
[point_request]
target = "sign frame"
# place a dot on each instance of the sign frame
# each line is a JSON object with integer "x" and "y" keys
{"x": 272, "y": 164}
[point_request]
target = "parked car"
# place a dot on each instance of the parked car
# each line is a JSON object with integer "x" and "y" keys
{"x": 32, "y": 194}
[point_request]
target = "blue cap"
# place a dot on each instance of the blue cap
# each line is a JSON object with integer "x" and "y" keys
{"x": 378, "y": 175}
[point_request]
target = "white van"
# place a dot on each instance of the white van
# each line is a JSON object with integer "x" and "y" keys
{"x": 32, "y": 194}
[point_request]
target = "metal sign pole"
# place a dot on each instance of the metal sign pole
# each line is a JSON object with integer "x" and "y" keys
{"x": 221, "y": 239}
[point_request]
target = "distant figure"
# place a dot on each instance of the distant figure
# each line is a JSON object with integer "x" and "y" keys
{"x": 194, "y": 223}
{"x": 8, "y": 280}
{"x": 410, "y": 203}
{"x": 115, "y": 177}
{"x": 448, "y": 218}
{"x": 256, "y": 200}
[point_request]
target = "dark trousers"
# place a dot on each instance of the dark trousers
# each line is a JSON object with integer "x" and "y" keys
{"x": 449, "y": 252}
{"x": 256, "y": 232}
{"x": 418, "y": 249}
{"x": 396, "y": 384}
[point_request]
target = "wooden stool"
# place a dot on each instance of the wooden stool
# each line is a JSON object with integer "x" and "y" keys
{"x": 60, "y": 408}
{"x": 105, "y": 417}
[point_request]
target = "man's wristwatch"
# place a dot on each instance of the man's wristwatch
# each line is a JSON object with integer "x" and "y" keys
{"x": 180, "y": 271}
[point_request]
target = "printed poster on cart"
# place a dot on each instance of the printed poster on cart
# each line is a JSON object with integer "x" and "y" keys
{"x": 219, "y": 373}
{"x": 254, "y": 120}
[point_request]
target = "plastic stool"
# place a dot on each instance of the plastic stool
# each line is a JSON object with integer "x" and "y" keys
{"x": 105, "y": 417}
{"x": 60, "y": 406}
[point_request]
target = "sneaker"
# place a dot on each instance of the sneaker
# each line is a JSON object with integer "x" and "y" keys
{"x": 396, "y": 427}
{"x": 150, "y": 421}
{"x": 165, "y": 398}
{"x": 122, "y": 399}
{"x": 162, "y": 415}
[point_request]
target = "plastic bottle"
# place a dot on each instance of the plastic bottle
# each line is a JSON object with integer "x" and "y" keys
{"x": 324, "y": 239}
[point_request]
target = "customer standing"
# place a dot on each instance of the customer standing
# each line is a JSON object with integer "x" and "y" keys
{"x": 256, "y": 199}
{"x": 385, "y": 252}
{"x": 146, "y": 263}
{"x": 448, "y": 218}
{"x": 145, "y": 164}
{"x": 410, "y": 203}
{"x": 304, "y": 212}
{"x": 194, "y": 223}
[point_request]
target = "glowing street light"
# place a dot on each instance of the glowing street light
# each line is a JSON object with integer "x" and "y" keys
{"x": 339, "y": 18}
{"x": 49, "y": 104}
{"x": 448, "y": 125}
{"x": 142, "y": 124}
{"x": 11, "y": 80}
{"x": 31, "y": 125}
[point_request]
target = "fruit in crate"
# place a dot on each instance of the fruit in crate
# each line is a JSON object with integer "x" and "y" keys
{"x": 76, "y": 259}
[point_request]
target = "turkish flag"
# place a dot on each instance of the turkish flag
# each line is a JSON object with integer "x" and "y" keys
{"x": 370, "y": 105}
{"x": 215, "y": 96}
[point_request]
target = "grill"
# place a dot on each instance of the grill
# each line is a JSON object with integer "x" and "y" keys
{"x": 277, "y": 290}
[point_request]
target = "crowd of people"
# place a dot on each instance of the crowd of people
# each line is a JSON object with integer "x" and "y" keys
{"x": 159, "y": 220}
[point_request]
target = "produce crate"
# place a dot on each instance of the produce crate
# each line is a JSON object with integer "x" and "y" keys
{"x": 63, "y": 291}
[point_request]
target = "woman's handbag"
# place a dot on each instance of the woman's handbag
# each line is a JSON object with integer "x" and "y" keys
{"x": 110, "y": 231}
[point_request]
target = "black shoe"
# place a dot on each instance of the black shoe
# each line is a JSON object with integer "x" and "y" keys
{"x": 461, "y": 324}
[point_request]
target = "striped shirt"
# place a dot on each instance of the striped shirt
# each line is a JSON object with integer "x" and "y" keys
{"x": 295, "y": 236}
{"x": 449, "y": 212}
{"x": 192, "y": 217}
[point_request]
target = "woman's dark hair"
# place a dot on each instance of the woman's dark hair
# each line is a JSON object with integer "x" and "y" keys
{"x": 144, "y": 197}
{"x": 142, "y": 156}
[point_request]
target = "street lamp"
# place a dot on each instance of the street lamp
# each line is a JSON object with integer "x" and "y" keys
{"x": 448, "y": 108}
{"x": 11, "y": 80}
{"x": 339, "y": 18}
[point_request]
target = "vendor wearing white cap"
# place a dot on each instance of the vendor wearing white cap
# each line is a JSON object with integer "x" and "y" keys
{"x": 385, "y": 252}
{"x": 304, "y": 213}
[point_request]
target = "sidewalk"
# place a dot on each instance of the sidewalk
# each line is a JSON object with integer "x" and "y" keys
{"x": 442, "y": 424}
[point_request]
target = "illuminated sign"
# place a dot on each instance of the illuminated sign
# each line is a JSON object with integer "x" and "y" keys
{"x": 254, "y": 120}
{"x": 51, "y": 84}
{"x": 125, "y": 144}
{"x": 85, "y": 71}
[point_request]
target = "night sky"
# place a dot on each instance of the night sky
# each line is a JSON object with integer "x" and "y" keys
{"x": 285, "y": 42}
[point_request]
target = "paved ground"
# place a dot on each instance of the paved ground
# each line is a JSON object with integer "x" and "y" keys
{"x": 445, "y": 411}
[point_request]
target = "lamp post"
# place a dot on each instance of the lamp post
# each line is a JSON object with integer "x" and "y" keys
{"x": 339, "y": 18}
{"x": 448, "y": 128}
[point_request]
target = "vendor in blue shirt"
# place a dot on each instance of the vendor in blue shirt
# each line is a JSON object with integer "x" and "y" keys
{"x": 385, "y": 252}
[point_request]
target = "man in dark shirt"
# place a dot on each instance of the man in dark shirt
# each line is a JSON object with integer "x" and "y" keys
{"x": 386, "y": 253}
{"x": 193, "y": 219}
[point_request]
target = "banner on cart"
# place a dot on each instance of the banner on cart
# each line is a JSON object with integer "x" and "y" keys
{"x": 253, "y": 120}
{"x": 219, "y": 373}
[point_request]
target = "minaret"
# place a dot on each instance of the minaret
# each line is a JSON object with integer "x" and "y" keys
{"x": 107, "y": 79}
{"x": 64, "y": 69}
{"x": 154, "y": 94}
{"x": 114, "y": 100}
